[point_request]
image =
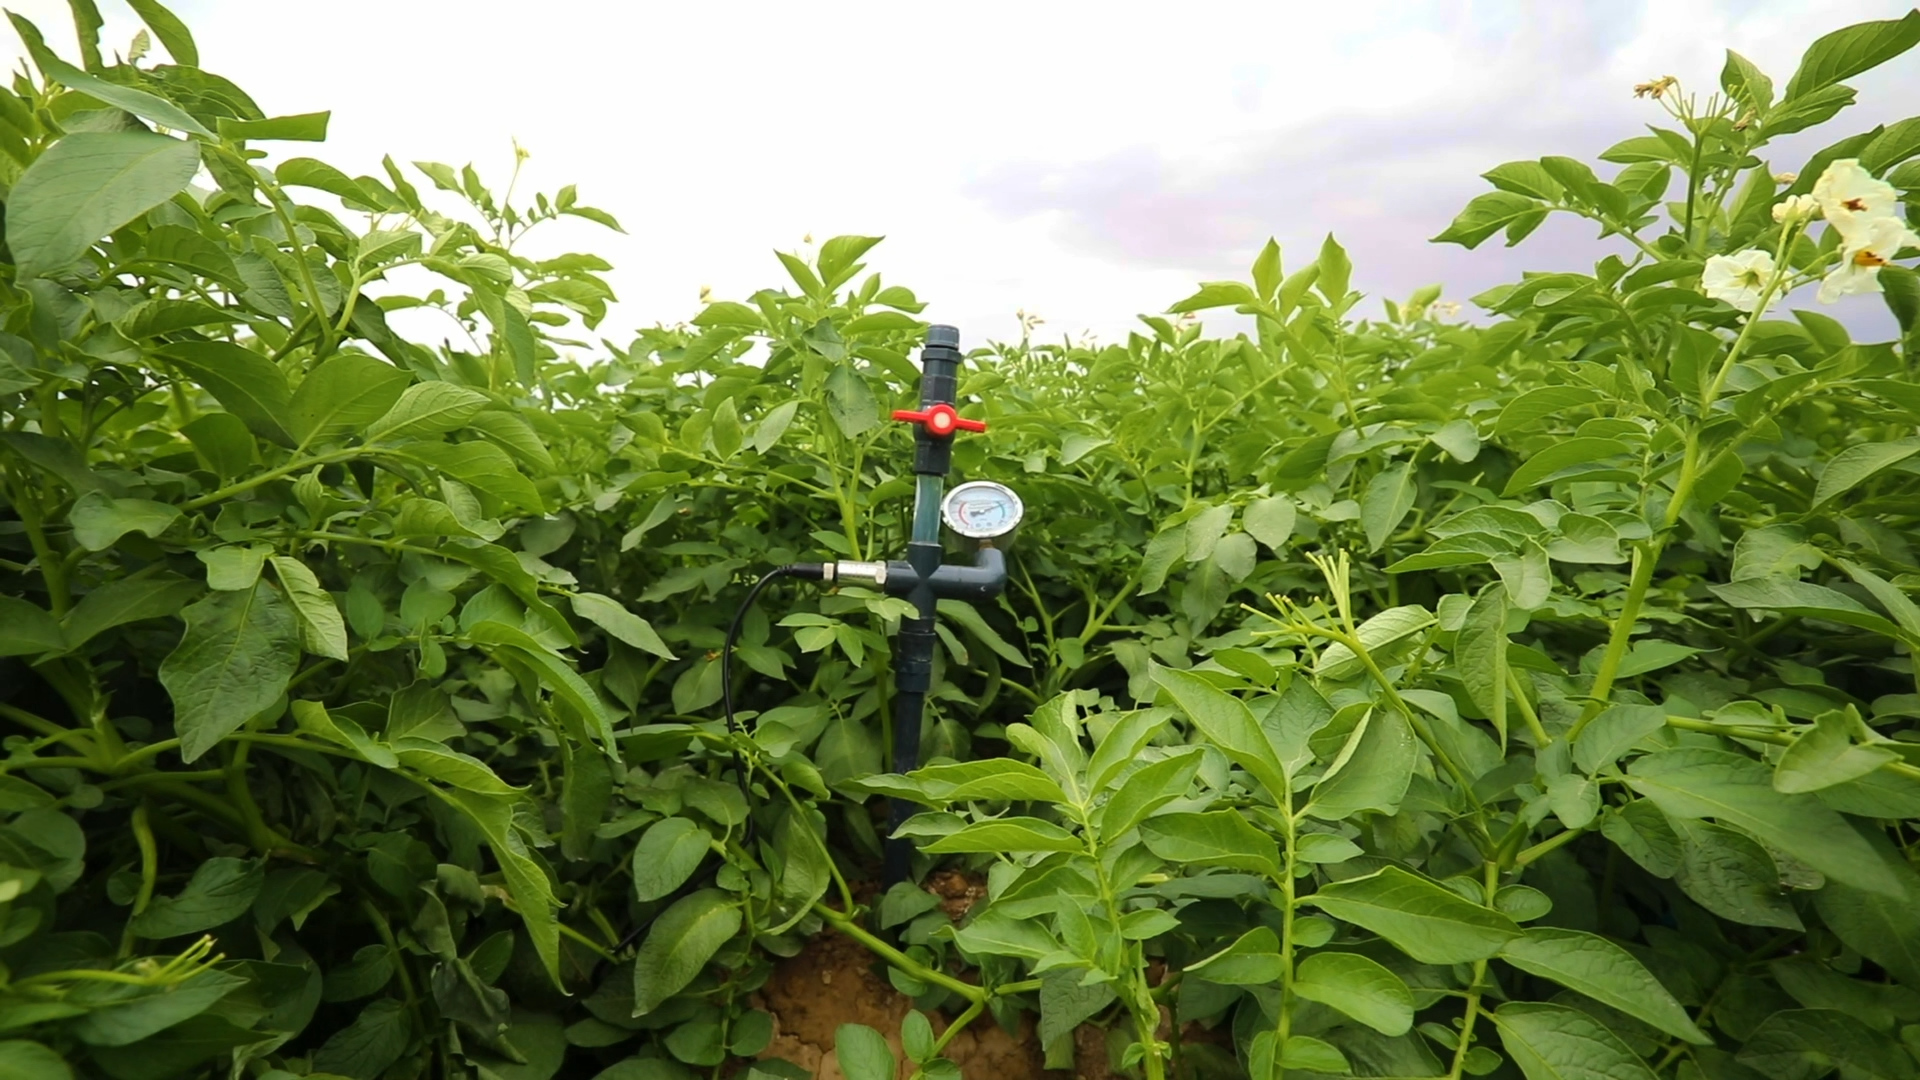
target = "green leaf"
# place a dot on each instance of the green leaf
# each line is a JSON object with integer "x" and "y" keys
{"x": 1480, "y": 656}
{"x": 1336, "y": 270}
{"x": 234, "y": 662}
{"x": 566, "y": 684}
{"x": 1359, "y": 987}
{"x": 1604, "y": 972}
{"x": 1826, "y": 755}
{"x": 131, "y": 599}
{"x": 1227, "y": 723}
{"x": 428, "y": 409}
{"x": 245, "y": 383}
{"x": 322, "y": 631}
{"x": 766, "y": 434}
{"x": 1746, "y": 83}
{"x": 22, "y": 1059}
{"x": 1252, "y": 960}
{"x": 971, "y": 620}
{"x": 994, "y": 933}
{"x": 1205, "y": 530}
{"x": 613, "y": 617}
{"x": 121, "y": 1023}
{"x": 98, "y": 520}
{"x": 26, "y": 629}
{"x": 87, "y": 185}
{"x": 1308, "y": 1054}
{"x": 222, "y": 889}
{"x": 1729, "y": 874}
{"x": 1009, "y": 834}
{"x": 1267, "y": 274}
{"x": 368, "y": 1047}
{"x": 1216, "y": 838}
{"x": 1805, "y": 599}
{"x": 1065, "y": 1003}
{"x": 1386, "y": 502}
{"x": 233, "y": 566}
{"x": 838, "y": 256}
{"x": 1553, "y": 1042}
{"x": 1577, "y": 452}
{"x": 1488, "y": 214}
{"x": 1146, "y": 790}
{"x": 138, "y": 102}
{"x": 1215, "y": 294}
{"x": 479, "y": 465}
{"x": 1806, "y": 1044}
{"x": 343, "y": 396}
{"x": 992, "y": 778}
{"x": 863, "y": 1053}
{"x": 304, "y": 127}
{"x": 850, "y": 402}
{"x": 679, "y": 944}
{"x": 730, "y": 313}
{"x": 526, "y": 880}
{"x": 1459, "y": 438}
{"x": 1270, "y": 521}
{"x": 1371, "y": 772}
{"x": 1857, "y": 464}
{"x": 320, "y": 176}
{"x": 1850, "y": 51}
{"x": 1881, "y": 928}
{"x": 435, "y": 761}
{"x": 1613, "y": 732}
{"x": 667, "y": 855}
{"x": 1431, "y": 924}
{"x": 1738, "y": 791}
{"x": 1387, "y": 628}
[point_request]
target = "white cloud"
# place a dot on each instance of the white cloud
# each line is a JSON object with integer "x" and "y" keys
{"x": 1086, "y": 161}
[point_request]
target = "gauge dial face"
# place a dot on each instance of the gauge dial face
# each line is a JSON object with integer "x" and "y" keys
{"x": 982, "y": 510}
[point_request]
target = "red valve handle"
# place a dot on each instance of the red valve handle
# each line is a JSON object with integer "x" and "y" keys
{"x": 940, "y": 421}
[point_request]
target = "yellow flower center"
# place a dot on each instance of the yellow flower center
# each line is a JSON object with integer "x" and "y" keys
{"x": 1864, "y": 257}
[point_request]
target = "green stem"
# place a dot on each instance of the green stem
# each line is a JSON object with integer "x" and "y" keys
{"x": 1460, "y": 1050}
{"x": 294, "y": 466}
{"x": 278, "y": 200}
{"x": 1644, "y": 558}
{"x": 1527, "y": 713}
{"x": 52, "y": 570}
{"x": 959, "y": 1024}
{"x": 1284, "y": 1030}
{"x": 149, "y": 874}
{"x": 1774, "y": 738}
{"x": 846, "y": 925}
{"x": 38, "y": 723}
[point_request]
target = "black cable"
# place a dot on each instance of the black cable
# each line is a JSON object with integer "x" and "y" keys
{"x": 808, "y": 571}
{"x": 813, "y": 571}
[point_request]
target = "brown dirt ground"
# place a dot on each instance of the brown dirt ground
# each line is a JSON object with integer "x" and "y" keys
{"x": 834, "y": 980}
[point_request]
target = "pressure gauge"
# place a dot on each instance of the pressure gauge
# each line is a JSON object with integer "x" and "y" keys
{"x": 982, "y": 510}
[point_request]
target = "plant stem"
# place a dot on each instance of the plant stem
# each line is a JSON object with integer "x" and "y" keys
{"x": 294, "y": 466}
{"x": 846, "y": 925}
{"x": 1527, "y": 713}
{"x": 149, "y": 874}
{"x": 1284, "y": 1030}
{"x": 959, "y": 1024}
{"x": 1492, "y": 884}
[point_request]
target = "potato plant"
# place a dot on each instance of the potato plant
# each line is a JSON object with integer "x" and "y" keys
{"x": 1525, "y": 696}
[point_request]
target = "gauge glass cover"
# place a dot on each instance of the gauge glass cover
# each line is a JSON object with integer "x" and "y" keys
{"x": 982, "y": 510}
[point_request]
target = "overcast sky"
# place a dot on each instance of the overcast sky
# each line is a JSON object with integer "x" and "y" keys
{"x": 1085, "y": 161}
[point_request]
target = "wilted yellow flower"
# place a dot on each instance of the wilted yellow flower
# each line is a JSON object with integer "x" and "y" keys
{"x": 1655, "y": 87}
{"x": 1785, "y": 177}
{"x": 706, "y": 294}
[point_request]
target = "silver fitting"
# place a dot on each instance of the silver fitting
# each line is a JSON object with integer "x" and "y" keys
{"x": 857, "y": 573}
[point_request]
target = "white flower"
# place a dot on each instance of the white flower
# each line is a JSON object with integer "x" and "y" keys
{"x": 1738, "y": 279}
{"x": 1871, "y": 248}
{"x": 1851, "y": 198}
{"x": 1796, "y": 208}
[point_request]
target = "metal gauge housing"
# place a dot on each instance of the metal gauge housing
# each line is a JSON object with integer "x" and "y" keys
{"x": 982, "y": 510}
